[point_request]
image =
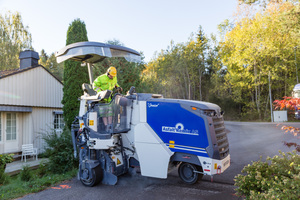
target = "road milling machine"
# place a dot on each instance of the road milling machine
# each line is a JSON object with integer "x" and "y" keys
{"x": 148, "y": 132}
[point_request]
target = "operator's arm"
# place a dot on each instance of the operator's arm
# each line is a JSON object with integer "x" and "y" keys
{"x": 97, "y": 84}
{"x": 117, "y": 85}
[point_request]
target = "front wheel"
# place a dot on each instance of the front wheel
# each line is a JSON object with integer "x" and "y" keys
{"x": 187, "y": 173}
{"x": 91, "y": 177}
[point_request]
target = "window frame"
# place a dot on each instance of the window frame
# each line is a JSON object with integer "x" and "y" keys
{"x": 12, "y": 125}
{"x": 58, "y": 122}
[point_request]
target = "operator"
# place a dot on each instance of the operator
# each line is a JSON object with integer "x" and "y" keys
{"x": 107, "y": 81}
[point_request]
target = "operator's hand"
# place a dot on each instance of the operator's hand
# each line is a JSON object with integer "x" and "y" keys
{"x": 120, "y": 89}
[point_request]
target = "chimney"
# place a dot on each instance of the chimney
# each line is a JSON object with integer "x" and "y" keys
{"x": 28, "y": 58}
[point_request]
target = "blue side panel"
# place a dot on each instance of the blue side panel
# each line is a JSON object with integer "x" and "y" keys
{"x": 173, "y": 123}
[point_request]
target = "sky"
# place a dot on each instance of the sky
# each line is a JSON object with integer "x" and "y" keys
{"x": 145, "y": 26}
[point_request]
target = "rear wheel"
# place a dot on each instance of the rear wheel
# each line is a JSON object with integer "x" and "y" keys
{"x": 187, "y": 173}
{"x": 91, "y": 177}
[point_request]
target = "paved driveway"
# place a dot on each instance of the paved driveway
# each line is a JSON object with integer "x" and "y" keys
{"x": 248, "y": 141}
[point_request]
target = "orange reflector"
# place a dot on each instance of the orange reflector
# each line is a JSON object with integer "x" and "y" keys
{"x": 171, "y": 143}
{"x": 216, "y": 166}
{"x": 81, "y": 125}
{"x": 194, "y": 108}
{"x": 82, "y": 147}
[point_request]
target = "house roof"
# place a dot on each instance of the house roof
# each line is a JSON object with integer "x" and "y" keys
{"x": 7, "y": 72}
{"x": 10, "y": 72}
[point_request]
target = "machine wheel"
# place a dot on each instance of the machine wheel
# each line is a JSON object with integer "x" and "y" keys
{"x": 92, "y": 179}
{"x": 187, "y": 174}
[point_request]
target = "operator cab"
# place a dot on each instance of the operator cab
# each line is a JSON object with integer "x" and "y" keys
{"x": 98, "y": 110}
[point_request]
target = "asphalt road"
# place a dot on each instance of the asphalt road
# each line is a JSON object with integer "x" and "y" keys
{"x": 248, "y": 142}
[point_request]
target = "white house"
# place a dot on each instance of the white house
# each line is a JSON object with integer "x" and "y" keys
{"x": 30, "y": 104}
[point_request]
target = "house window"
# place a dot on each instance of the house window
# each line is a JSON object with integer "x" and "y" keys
{"x": 58, "y": 122}
{"x": 11, "y": 126}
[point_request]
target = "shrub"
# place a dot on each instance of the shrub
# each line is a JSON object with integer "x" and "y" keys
{"x": 60, "y": 151}
{"x": 277, "y": 178}
{"x": 42, "y": 170}
{"x": 26, "y": 174}
{"x": 4, "y": 159}
{"x": 4, "y": 178}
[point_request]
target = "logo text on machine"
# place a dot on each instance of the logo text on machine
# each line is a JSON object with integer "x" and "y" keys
{"x": 179, "y": 128}
{"x": 152, "y": 105}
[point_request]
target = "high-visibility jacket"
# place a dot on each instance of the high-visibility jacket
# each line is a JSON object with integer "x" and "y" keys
{"x": 104, "y": 83}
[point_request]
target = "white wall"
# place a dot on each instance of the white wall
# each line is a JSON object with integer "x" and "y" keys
{"x": 42, "y": 121}
{"x": 31, "y": 127}
{"x": 34, "y": 87}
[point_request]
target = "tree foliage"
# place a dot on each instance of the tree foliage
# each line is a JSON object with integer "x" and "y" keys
{"x": 255, "y": 61}
{"x": 264, "y": 2}
{"x": 182, "y": 70}
{"x": 287, "y": 103}
{"x": 128, "y": 73}
{"x": 50, "y": 63}
{"x": 74, "y": 74}
{"x": 257, "y": 49}
{"x": 191, "y": 70}
{"x": 14, "y": 37}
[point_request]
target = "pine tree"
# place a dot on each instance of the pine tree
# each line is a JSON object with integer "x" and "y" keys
{"x": 74, "y": 74}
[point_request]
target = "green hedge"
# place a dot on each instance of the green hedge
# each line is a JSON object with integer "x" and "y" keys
{"x": 276, "y": 178}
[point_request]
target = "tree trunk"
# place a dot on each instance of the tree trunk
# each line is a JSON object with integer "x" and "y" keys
{"x": 257, "y": 92}
{"x": 265, "y": 115}
{"x": 185, "y": 86}
{"x": 189, "y": 83}
{"x": 200, "y": 83}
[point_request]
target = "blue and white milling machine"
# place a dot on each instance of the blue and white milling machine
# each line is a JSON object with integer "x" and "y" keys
{"x": 148, "y": 132}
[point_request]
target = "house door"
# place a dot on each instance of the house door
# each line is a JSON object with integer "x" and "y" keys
{"x": 11, "y": 136}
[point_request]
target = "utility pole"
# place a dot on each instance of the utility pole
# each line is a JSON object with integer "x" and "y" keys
{"x": 270, "y": 95}
{"x": 296, "y": 63}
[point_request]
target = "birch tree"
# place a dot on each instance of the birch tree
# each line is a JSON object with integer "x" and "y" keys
{"x": 14, "y": 38}
{"x": 257, "y": 53}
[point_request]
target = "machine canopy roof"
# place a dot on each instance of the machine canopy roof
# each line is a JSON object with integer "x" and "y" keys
{"x": 92, "y": 52}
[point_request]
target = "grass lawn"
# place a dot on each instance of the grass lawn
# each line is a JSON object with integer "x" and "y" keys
{"x": 15, "y": 187}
